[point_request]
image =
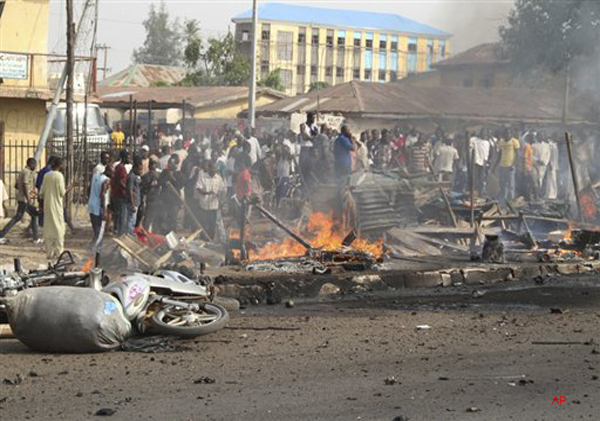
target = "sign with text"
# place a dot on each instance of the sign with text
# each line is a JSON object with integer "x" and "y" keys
{"x": 14, "y": 66}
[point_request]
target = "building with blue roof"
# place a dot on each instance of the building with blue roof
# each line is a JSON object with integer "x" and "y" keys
{"x": 312, "y": 44}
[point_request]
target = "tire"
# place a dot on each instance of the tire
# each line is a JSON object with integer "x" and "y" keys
{"x": 159, "y": 325}
{"x": 229, "y": 304}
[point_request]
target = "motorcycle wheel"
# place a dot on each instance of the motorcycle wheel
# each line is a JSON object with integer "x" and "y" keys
{"x": 177, "y": 321}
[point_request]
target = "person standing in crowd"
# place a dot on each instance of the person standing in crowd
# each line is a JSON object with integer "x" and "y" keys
{"x": 419, "y": 153}
{"x": 145, "y": 159}
{"x": 529, "y": 186}
{"x": 362, "y": 155}
{"x": 151, "y": 197}
{"x": 210, "y": 187}
{"x": 507, "y": 160}
{"x": 480, "y": 151}
{"x": 552, "y": 171}
{"x": 541, "y": 159}
{"x": 53, "y": 192}
{"x": 98, "y": 205}
{"x": 192, "y": 169}
{"x": 445, "y": 159}
{"x": 255, "y": 150}
{"x": 171, "y": 183}
{"x": 119, "y": 194}
{"x": 25, "y": 194}
{"x": 104, "y": 161}
{"x": 342, "y": 152}
{"x": 382, "y": 152}
{"x": 118, "y": 137}
{"x": 284, "y": 171}
{"x": 134, "y": 195}
{"x": 165, "y": 150}
{"x": 38, "y": 185}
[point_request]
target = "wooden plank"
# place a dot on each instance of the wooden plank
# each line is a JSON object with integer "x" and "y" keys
{"x": 409, "y": 240}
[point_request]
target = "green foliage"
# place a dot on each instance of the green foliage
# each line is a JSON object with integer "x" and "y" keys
{"x": 551, "y": 34}
{"x": 193, "y": 48}
{"x": 273, "y": 80}
{"x": 163, "y": 38}
{"x": 318, "y": 85}
{"x": 159, "y": 84}
{"x": 218, "y": 63}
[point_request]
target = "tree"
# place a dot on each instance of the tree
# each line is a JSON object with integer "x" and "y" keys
{"x": 193, "y": 48}
{"x": 273, "y": 80}
{"x": 552, "y": 34}
{"x": 318, "y": 85}
{"x": 162, "y": 43}
{"x": 218, "y": 63}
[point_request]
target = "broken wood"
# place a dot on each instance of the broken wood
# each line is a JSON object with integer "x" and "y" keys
{"x": 528, "y": 231}
{"x": 165, "y": 257}
{"x": 280, "y": 224}
{"x": 569, "y": 140}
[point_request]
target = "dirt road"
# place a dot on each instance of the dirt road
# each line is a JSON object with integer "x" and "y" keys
{"x": 335, "y": 361}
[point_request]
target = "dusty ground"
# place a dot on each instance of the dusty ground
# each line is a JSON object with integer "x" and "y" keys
{"x": 330, "y": 360}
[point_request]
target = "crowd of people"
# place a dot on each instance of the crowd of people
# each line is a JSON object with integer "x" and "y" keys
{"x": 212, "y": 175}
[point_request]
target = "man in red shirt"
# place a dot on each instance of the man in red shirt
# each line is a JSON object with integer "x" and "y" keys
{"x": 118, "y": 197}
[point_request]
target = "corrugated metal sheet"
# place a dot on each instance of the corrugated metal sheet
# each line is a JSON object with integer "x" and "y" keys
{"x": 403, "y": 100}
{"x": 173, "y": 96}
{"x": 342, "y": 18}
{"x": 483, "y": 54}
{"x": 145, "y": 75}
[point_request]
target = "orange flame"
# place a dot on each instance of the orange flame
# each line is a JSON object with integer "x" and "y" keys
{"x": 87, "y": 267}
{"x": 568, "y": 233}
{"x": 321, "y": 233}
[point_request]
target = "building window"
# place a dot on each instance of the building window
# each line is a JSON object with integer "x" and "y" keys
{"x": 315, "y": 37}
{"x": 412, "y": 45}
{"x": 2, "y": 3}
{"x": 329, "y": 40}
{"x": 357, "y": 42}
{"x": 383, "y": 42}
{"x": 302, "y": 36}
{"x": 367, "y": 74}
{"x": 369, "y": 41}
{"x": 264, "y": 69}
{"x": 382, "y": 75}
{"x": 301, "y": 70}
{"x": 313, "y": 70}
{"x": 341, "y": 38}
{"x": 266, "y": 32}
{"x": 488, "y": 81}
{"x": 394, "y": 43}
{"x": 356, "y": 74}
{"x": 411, "y": 57}
{"x": 328, "y": 71}
{"x": 442, "y": 49}
{"x": 284, "y": 45}
{"x": 339, "y": 72}
{"x": 393, "y": 76}
{"x": 429, "y": 53}
{"x": 286, "y": 78}
{"x": 245, "y": 35}
{"x": 382, "y": 60}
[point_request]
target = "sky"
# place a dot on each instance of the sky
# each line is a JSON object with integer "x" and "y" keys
{"x": 120, "y": 21}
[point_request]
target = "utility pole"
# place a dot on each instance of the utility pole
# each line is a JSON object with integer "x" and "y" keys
{"x": 252, "y": 90}
{"x": 63, "y": 77}
{"x": 70, "y": 71}
{"x": 104, "y": 68}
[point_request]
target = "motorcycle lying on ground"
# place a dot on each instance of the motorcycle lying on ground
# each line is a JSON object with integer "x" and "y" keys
{"x": 165, "y": 302}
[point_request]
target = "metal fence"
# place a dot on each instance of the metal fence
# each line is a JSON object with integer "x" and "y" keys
{"x": 86, "y": 157}
{"x": 13, "y": 157}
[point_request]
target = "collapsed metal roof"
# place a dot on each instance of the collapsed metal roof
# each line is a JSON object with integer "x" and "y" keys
{"x": 145, "y": 75}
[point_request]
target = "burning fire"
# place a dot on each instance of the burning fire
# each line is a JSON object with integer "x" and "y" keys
{"x": 321, "y": 233}
{"x": 87, "y": 267}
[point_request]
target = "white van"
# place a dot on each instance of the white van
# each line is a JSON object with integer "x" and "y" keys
{"x": 97, "y": 132}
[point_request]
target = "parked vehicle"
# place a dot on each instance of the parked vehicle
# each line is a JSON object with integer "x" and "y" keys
{"x": 96, "y": 129}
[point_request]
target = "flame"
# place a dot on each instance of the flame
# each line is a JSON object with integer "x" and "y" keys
{"x": 87, "y": 267}
{"x": 568, "y": 233}
{"x": 321, "y": 232}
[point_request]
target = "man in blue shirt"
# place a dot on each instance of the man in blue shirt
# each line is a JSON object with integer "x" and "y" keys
{"x": 342, "y": 152}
